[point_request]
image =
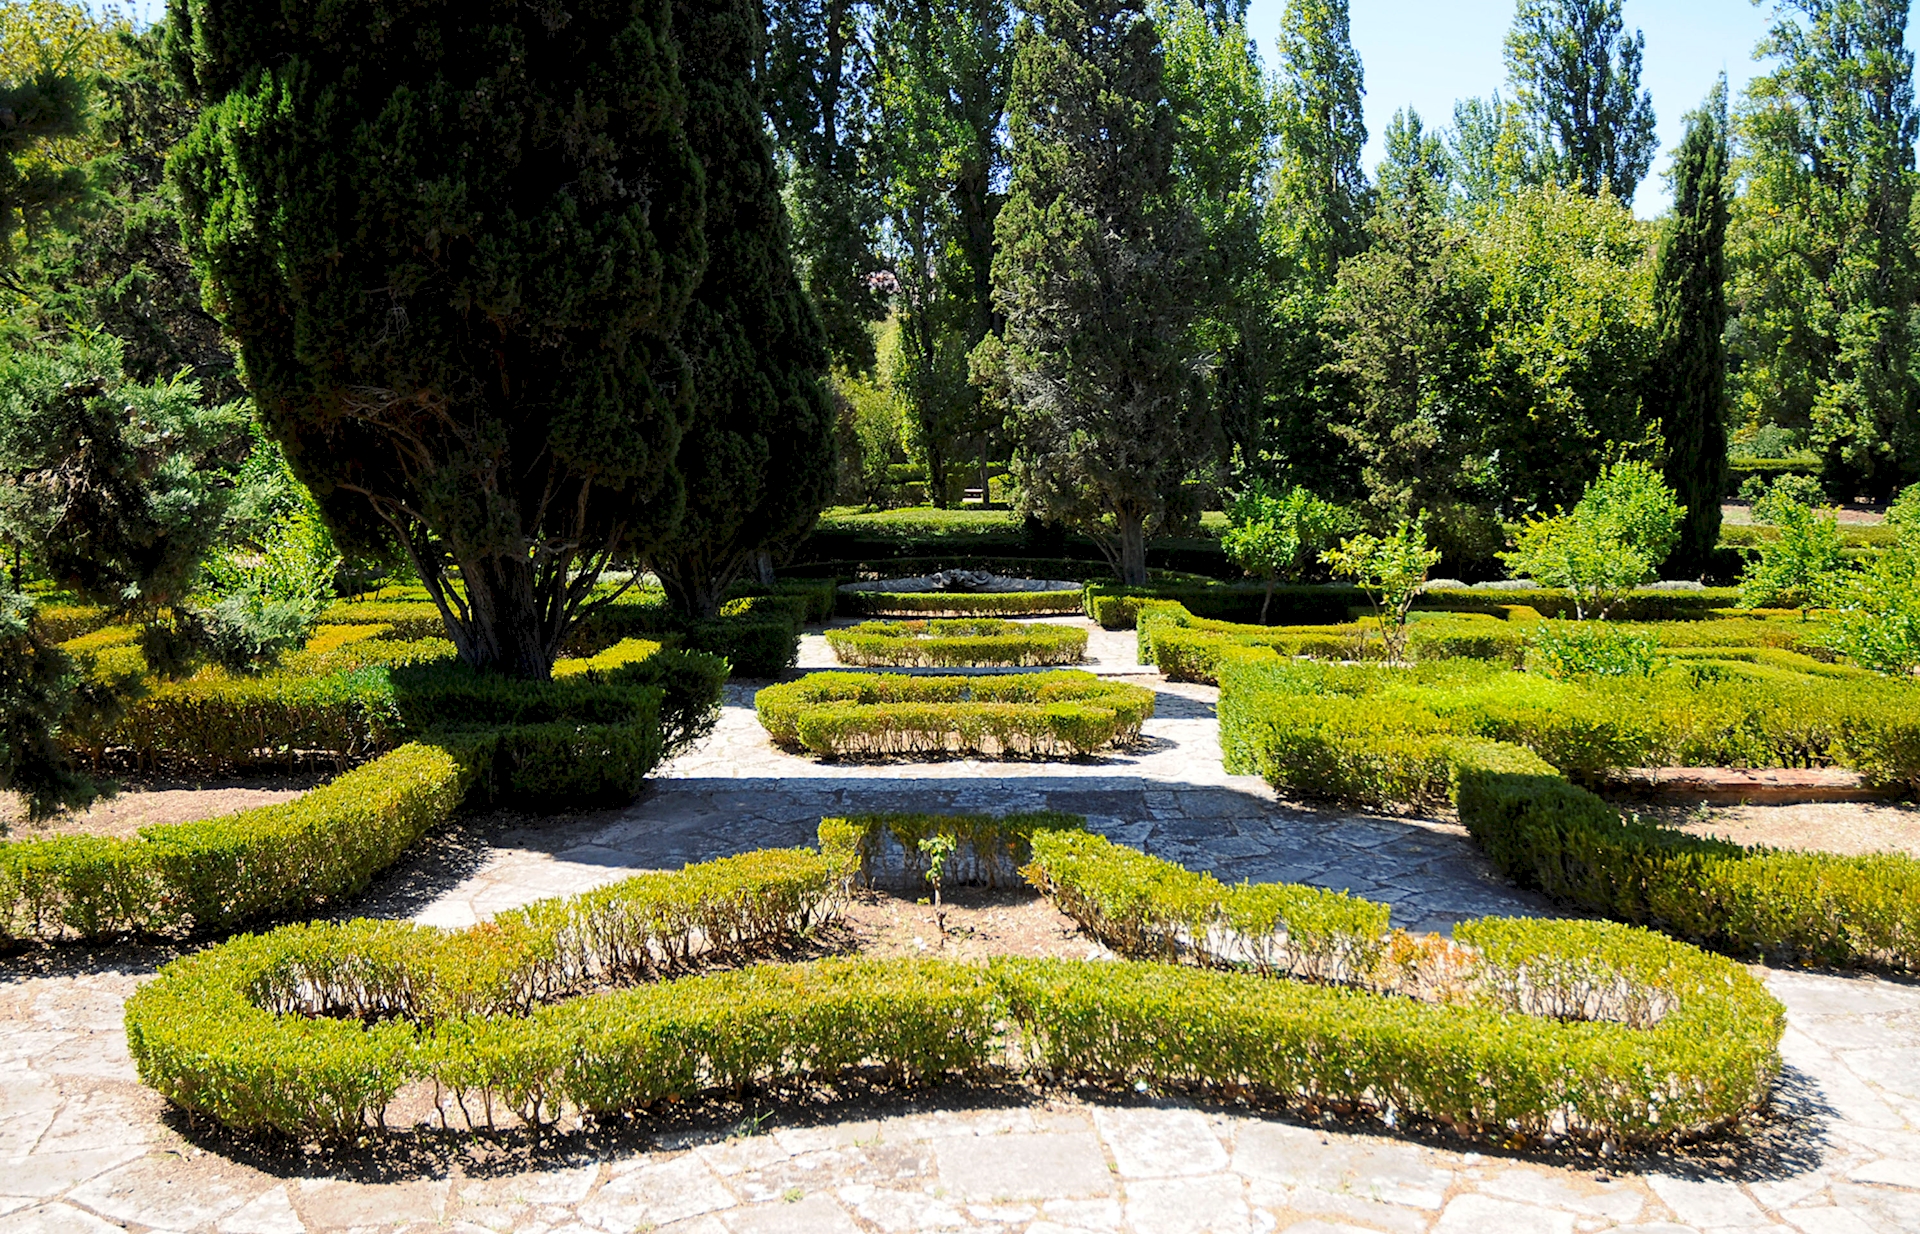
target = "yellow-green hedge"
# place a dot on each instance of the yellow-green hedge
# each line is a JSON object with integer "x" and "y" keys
{"x": 1062, "y": 713}
{"x": 1501, "y": 747}
{"x": 957, "y": 644}
{"x": 989, "y": 850}
{"x": 1577, "y": 1029}
{"x": 959, "y": 604}
{"x": 216, "y": 873}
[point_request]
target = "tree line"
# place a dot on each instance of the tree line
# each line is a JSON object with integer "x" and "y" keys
{"x": 521, "y": 290}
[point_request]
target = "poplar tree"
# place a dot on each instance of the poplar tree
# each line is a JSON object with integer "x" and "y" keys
{"x": 1687, "y": 383}
{"x": 1096, "y": 273}
{"x": 758, "y": 458}
{"x": 1824, "y": 268}
{"x": 1322, "y": 190}
{"x": 453, "y": 243}
{"x": 1576, "y": 72}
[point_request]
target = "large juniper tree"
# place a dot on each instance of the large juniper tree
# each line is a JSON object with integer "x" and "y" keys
{"x": 758, "y": 458}
{"x": 1577, "y": 74}
{"x": 453, "y": 243}
{"x": 1687, "y": 383}
{"x": 1096, "y": 273}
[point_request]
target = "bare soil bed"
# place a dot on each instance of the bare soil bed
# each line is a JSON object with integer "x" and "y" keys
{"x": 979, "y": 923}
{"x": 137, "y": 806}
{"x": 1849, "y": 828}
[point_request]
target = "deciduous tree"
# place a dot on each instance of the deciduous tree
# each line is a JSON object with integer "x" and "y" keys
{"x": 1576, "y": 74}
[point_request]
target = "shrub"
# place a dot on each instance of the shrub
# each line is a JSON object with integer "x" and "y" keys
{"x": 1803, "y": 566}
{"x": 1555, "y": 1028}
{"x": 1500, "y": 746}
{"x": 957, "y": 644}
{"x": 1623, "y": 527}
{"x": 1273, "y": 536}
{"x": 959, "y": 603}
{"x": 217, "y": 873}
{"x": 1392, "y": 570}
{"x": 1583, "y": 650}
{"x": 1039, "y": 714}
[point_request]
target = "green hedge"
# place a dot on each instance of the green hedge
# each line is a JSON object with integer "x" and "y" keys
{"x": 1500, "y": 745}
{"x": 820, "y": 595}
{"x": 960, "y": 603}
{"x": 592, "y": 736}
{"x": 957, "y": 644}
{"x": 1187, "y": 648}
{"x": 216, "y": 873}
{"x": 60, "y": 622}
{"x": 1118, "y": 608}
{"x": 1550, "y": 1029}
{"x": 989, "y": 851}
{"x": 1060, "y": 713}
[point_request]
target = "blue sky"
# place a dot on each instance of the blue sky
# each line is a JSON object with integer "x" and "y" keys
{"x": 1427, "y": 53}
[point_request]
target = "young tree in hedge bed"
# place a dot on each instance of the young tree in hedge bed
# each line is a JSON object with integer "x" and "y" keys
{"x": 453, "y": 243}
{"x": 758, "y": 458}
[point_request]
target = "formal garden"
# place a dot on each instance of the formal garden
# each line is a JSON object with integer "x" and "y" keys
{"x": 717, "y": 617}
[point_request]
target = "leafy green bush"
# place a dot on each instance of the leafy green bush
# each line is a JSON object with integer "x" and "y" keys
{"x": 1587, "y": 650}
{"x": 957, "y": 644}
{"x": 959, "y": 603}
{"x": 1615, "y": 538}
{"x": 1802, "y": 566}
{"x": 1039, "y": 714}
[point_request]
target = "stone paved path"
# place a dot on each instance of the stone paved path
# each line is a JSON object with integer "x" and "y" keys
{"x": 83, "y": 1147}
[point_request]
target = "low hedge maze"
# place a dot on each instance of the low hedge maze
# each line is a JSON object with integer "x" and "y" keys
{"x": 1063, "y": 713}
{"x": 958, "y": 604}
{"x": 957, "y": 644}
{"x": 595, "y": 1005}
{"x": 1118, "y": 608}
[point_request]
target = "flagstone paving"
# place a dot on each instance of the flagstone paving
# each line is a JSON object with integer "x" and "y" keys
{"x": 84, "y": 1147}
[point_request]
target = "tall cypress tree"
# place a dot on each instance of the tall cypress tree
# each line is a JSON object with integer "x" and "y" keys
{"x": 1097, "y": 275}
{"x": 454, "y": 243}
{"x": 758, "y": 458}
{"x": 1322, "y": 190}
{"x": 1687, "y": 386}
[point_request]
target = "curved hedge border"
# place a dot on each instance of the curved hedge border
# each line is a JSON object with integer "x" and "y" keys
{"x": 1060, "y": 713}
{"x": 988, "y": 850}
{"x": 1117, "y": 608}
{"x": 957, "y": 644}
{"x": 1318, "y": 730}
{"x": 960, "y": 603}
{"x": 1186, "y": 647}
{"x": 1550, "y": 1029}
{"x": 481, "y": 741}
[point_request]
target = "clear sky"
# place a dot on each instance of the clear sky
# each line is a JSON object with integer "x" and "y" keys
{"x": 1428, "y": 53}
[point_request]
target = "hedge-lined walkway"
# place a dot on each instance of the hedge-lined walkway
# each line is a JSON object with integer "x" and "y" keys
{"x": 83, "y": 1147}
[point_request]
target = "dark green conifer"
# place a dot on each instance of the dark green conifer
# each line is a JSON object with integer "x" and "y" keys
{"x": 1098, "y": 275}
{"x": 454, "y": 243}
{"x": 758, "y": 460}
{"x": 1687, "y": 385}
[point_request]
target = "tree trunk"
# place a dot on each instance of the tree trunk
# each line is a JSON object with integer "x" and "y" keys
{"x": 1268, "y": 602}
{"x": 763, "y": 566}
{"x": 692, "y": 592}
{"x": 1132, "y": 537}
{"x": 505, "y": 632}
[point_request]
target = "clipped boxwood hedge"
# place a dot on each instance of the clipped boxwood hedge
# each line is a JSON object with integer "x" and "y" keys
{"x": 1118, "y": 608}
{"x": 1549, "y": 1029}
{"x": 1501, "y": 745}
{"x": 957, "y": 644}
{"x": 1186, "y": 648}
{"x": 478, "y": 741}
{"x": 960, "y": 603}
{"x": 988, "y": 850}
{"x": 1053, "y": 714}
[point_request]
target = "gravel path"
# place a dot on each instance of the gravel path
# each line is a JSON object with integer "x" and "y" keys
{"x": 83, "y": 1147}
